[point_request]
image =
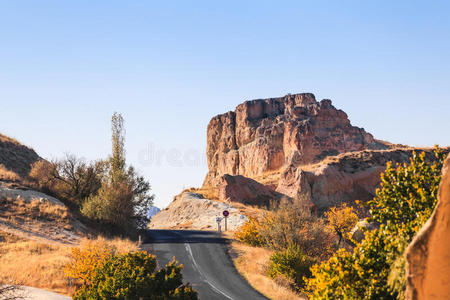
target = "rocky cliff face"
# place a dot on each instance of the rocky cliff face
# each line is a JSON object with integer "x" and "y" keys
{"x": 267, "y": 135}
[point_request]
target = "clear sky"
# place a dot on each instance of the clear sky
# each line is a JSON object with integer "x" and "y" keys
{"x": 169, "y": 66}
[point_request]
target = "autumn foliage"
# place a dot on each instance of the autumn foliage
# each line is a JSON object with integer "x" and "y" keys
{"x": 86, "y": 259}
{"x": 404, "y": 202}
{"x": 341, "y": 219}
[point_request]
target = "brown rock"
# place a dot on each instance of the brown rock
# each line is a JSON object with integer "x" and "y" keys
{"x": 294, "y": 183}
{"x": 266, "y": 135}
{"x": 428, "y": 255}
{"x": 245, "y": 190}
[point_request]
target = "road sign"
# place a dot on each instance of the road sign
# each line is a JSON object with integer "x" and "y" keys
{"x": 218, "y": 220}
{"x": 226, "y": 213}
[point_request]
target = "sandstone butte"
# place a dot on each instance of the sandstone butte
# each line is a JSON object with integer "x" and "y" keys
{"x": 297, "y": 147}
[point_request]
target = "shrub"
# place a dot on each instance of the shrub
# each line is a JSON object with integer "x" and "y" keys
{"x": 292, "y": 223}
{"x": 405, "y": 201}
{"x": 249, "y": 233}
{"x": 291, "y": 263}
{"x": 288, "y": 224}
{"x": 134, "y": 276}
{"x": 341, "y": 219}
{"x": 70, "y": 179}
{"x": 87, "y": 258}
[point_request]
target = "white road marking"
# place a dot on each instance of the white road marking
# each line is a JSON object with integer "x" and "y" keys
{"x": 189, "y": 250}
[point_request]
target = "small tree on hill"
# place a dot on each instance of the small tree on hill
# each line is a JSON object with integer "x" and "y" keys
{"x": 341, "y": 219}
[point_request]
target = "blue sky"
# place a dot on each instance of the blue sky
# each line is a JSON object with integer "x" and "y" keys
{"x": 169, "y": 66}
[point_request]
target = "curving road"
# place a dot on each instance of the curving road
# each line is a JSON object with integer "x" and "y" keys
{"x": 207, "y": 266}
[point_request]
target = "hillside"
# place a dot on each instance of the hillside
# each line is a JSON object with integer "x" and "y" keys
{"x": 38, "y": 231}
{"x": 15, "y": 159}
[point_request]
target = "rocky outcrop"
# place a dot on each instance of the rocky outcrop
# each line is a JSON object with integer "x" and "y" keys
{"x": 191, "y": 210}
{"x": 299, "y": 148}
{"x": 245, "y": 190}
{"x": 343, "y": 178}
{"x": 428, "y": 255}
{"x": 268, "y": 135}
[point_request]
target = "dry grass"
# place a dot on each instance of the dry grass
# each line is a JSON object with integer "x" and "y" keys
{"x": 8, "y": 175}
{"x": 34, "y": 264}
{"x": 16, "y": 157}
{"x": 207, "y": 193}
{"x": 42, "y": 265}
{"x": 19, "y": 212}
{"x": 251, "y": 263}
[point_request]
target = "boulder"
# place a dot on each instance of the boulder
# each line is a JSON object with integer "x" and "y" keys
{"x": 245, "y": 190}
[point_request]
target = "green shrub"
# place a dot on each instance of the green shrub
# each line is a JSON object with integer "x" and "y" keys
{"x": 291, "y": 264}
{"x": 405, "y": 201}
{"x": 134, "y": 276}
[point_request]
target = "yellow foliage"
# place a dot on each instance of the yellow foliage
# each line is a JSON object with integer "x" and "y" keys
{"x": 250, "y": 233}
{"x": 92, "y": 254}
{"x": 341, "y": 219}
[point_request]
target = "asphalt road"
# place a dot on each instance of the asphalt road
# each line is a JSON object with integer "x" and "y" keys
{"x": 207, "y": 266}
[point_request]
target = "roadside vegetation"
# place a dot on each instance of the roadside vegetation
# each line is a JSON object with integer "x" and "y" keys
{"x": 107, "y": 193}
{"x": 40, "y": 264}
{"x": 316, "y": 256}
{"x": 101, "y": 270}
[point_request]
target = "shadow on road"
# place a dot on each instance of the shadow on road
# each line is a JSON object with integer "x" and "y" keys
{"x": 156, "y": 236}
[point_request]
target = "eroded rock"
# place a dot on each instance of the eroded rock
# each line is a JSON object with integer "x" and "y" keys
{"x": 267, "y": 135}
{"x": 428, "y": 255}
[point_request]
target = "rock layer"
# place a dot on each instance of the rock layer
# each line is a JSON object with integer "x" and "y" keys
{"x": 266, "y": 135}
{"x": 245, "y": 190}
{"x": 428, "y": 255}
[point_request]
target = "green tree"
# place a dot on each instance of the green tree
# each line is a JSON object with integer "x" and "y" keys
{"x": 134, "y": 276}
{"x": 404, "y": 202}
{"x": 292, "y": 264}
{"x": 124, "y": 196}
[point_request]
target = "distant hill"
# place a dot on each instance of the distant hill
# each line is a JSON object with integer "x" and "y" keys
{"x": 16, "y": 159}
{"x": 153, "y": 210}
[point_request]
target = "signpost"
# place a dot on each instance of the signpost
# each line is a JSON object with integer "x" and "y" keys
{"x": 226, "y": 213}
{"x": 218, "y": 220}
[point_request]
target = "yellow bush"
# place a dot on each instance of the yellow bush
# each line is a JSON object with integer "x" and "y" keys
{"x": 85, "y": 259}
{"x": 250, "y": 233}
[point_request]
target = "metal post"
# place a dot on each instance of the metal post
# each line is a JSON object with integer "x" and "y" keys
{"x": 226, "y": 223}
{"x": 218, "y": 220}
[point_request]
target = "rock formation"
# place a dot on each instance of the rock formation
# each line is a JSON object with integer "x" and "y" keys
{"x": 265, "y": 135}
{"x": 191, "y": 210}
{"x": 245, "y": 190}
{"x": 428, "y": 255}
{"x": 297, "y": 147}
